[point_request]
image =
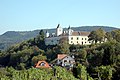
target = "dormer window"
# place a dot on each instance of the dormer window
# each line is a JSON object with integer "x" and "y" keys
{"x": 71, "y": 38}
{"x": 77, "y": 38}
{"x": 65, "y": 60}
{"x": 42, "y": 64}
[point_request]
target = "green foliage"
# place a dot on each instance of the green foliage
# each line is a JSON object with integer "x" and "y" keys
{"x": 39, "y": 40}
{"x": 105, "y": 72}
{"x": 82, "y": 72}
{"x": 35, "y": 59}
{"x": 80, "y": 56}
{"x": 116, "y": 35}
{"x": 93, "y": 36}
{"x": 62, "y": 48}
{"x": 97, "y": 35}
{"x": 63, "y": 74}
{"x": 108, "y": 36}
{"x": 111, "y": 51}
{"x": 95, "y": 57}
{"x": 11, "y": 37}
{"x": 95, "y": 61}
{"x": 36, "y": 74}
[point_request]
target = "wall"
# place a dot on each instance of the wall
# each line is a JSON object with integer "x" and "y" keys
{"x": 82, "y": 40}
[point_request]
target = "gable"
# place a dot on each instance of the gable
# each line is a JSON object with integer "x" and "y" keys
{"x": 42, "y": 64}
{"x": 68, "y": 58}
{"x": 61, "y": 56}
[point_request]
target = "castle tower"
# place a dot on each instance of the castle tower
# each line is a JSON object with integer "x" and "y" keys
{"x": 47, "y": 34}
{"x": 59, "y": 30}
{"x": 70, "y": 31}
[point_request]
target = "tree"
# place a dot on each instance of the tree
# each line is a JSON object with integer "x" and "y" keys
{"x": 95, "y": 57}
{"x": 82, "y": 73}
{"x": 100, "y": 34}
{"x": 104, "y": 72}
{"x": 97, "y": 35}
{"x": 93, "y": 36}
{"x": 111, "y": 51}
{"x": 35, "y": 59}
{"x": 108, "y": 36}
{"x": 63, "y": 47}
{"x": 80, "y": 56}
{"x": 40, "y": 40}
{"x": 116, "y": 35}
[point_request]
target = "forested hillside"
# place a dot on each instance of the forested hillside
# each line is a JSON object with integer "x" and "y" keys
{"x": 98, "y": 61}
{"x": 12, "y": 37}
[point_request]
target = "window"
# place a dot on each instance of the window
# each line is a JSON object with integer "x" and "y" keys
{"x": 77, "y": 38}
{"x": 82, "y": 43}
{"x": 85, "y": 38}
{"x": 52, "y": 41}
{"x": 82, "y": 38}
{"x": 71, "y": 42}
{"x": 65, "y": 60}
{"x": 42, "y": 64}
{"x": 85, "y": 42}
{"x": 71, "y": 38}
{"x": 89, "y": 42}
{"x": 77, "y": 41}
{"x": 69, "y": 61}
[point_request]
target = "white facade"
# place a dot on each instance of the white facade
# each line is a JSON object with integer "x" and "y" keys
{"x": 59, "y": 30}
{"x": 47, "y": 34}
{"x": 70, "y": 31}
{"x": 82, "y": 40}
{"x": 72, "y": 37}
{"x": 66, "y": 61}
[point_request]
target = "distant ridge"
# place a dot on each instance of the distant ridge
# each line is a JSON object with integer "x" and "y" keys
{"x": 12, "y": 37}
{"x": 91, "y": 28}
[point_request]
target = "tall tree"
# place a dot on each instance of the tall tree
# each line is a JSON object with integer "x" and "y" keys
{"x": 63, "y": 47}
{"x": 104, "y": 72}
{"x": 93, "y": 36}
{"x": 35, "y": 59}
{"x": 100, "y": 34}
{"x": 108, "y": 36}
{"x": 39, "y": 40}
{"x": 97, "y": 35}
{"x": 116, "y": 35}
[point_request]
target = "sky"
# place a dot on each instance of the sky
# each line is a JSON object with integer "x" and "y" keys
{"x": 28, "y": 15}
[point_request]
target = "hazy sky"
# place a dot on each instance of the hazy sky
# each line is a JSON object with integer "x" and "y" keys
{"x": 25, "y": 15}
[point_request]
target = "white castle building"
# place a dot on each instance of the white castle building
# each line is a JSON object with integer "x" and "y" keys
{"x": 73, "y": 37}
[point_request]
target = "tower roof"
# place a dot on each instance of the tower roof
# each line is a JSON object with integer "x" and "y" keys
{"x": 69, "y": 27}
{"x": 58, "y": 25}
{"x": 46, "y": 31}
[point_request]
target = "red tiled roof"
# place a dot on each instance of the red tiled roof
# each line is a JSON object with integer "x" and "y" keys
{"x": 80, "y": 33}
{"x": 45, "y": 66}
{"x": 61, "y": 56}
{"x": 84, "y": 33}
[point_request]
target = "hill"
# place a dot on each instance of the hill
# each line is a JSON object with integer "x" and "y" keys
{"x": 12, "y": 37}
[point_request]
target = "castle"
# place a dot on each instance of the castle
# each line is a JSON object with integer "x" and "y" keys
{"x": 73, "y": 37}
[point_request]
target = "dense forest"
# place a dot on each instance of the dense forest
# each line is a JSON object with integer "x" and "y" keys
{"x": 13, "y": 37}
{"x": 98, "y": 61}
